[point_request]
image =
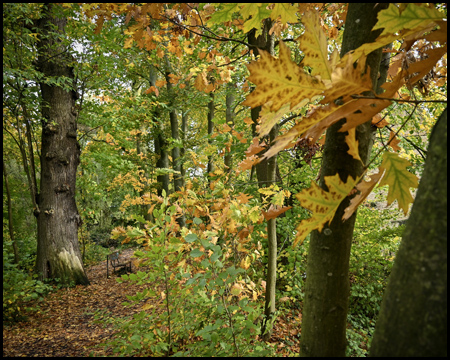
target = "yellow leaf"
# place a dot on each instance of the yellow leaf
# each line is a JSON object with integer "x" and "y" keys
{"x": 365, "y": 188}
{"x": 286, "y": 12}
{"x": 280, "y": 81}
{"x": 266, "y": 191}
{"x": 245, "y": 263}
{"x": 347, "y": 81}
{"x": 352, "y": 143}
{"x": 323, "y": 204}
{"x": 313, "y": 43}
{"x": 236, "y": 289}
{"x": 399, "y": 180}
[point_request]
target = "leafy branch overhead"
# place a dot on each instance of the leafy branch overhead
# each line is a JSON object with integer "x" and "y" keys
{"x": 282, "y": 87}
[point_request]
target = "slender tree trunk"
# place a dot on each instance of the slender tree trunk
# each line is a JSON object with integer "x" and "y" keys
{"x": 58, "y": 253}
{"x": 184, "y": 120}
{"x": 266, "y": 173}
{"x": 228, "y": 159}
{"x": 413, "y": 315}
{"x": 327, "y": 283}
{"x": 10, "y": 222}
{"x": 210, "y": 167}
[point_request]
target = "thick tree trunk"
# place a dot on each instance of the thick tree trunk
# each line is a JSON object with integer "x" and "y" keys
{"x": 58, "y": 253}
{"x": 327, "y": 284}
{"x": 413, "y": 315}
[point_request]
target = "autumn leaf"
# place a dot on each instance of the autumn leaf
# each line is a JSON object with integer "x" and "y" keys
{"x": 247, "y": 163}
{"x": 258, "y": 13}
{"x": 399, "y": 180}
{"x": 254, "y": 148}
{"x": 280, "y": 81}
{"x": 244, "y": 198}
{"x": 412, "y": 17}
{"x": 286, "y": 12}
{"x": 323, "y": 204}
{"x": 225, "y": 14}
{"x": 347, "y": 81}
{"x": 394, "y": 141}
{"x": 274, "y": 211}
{"x": 313, "y": 43}
{"x": 365, "y": 188}
{"x": 352, "y": 143}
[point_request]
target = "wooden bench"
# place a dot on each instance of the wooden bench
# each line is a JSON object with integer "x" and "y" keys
{"x": 115, "y": 262}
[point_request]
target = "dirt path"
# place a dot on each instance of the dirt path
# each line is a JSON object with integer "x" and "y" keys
{"x": 66, "y": 327}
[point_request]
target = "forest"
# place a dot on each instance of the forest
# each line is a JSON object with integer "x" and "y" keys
{"x": 206, "y": 179}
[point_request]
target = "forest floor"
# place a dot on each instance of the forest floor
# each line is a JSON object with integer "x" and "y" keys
{"x": 66, "y": 326}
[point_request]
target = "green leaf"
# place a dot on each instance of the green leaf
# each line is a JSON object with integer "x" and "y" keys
{"x": 190, "y": 238}
{"x": 224, "y": 15}
{"x": 196, "y": 253}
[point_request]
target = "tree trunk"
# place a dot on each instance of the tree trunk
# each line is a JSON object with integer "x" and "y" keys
{"x": 58, "y": 253}
{"x": 10, "y": 221}
{"x": 266, "y": 173}
{"x": 327, "y": 283}
{"x": 413, "y": 315}
{"x": 210, "y": 167}
{"x": 228, "y": 160}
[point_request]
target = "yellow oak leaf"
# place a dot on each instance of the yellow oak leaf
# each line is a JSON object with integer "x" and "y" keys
{"x": 280, "y": 80}
{"x": 365, "y": 188}
{"x": 347, "y": 81}
{"x": 323, "y": 204}
{"x": 399, "y": 180}
{"x": 352, "y": 143}
{"x": 286, "y": 12}
{"x": 313, "y": 43}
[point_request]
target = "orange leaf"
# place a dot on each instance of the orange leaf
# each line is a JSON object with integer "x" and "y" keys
{"x": 254, "y": 148}
{"x": 274, "y": 211}
{"x": 248, "y": 162}
{"x": 394, "y": 141}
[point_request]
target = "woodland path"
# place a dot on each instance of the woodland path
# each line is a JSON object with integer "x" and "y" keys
{"x": 65, "y": 325}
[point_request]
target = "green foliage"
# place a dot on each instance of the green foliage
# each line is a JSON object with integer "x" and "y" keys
{"x": 206, "y": 305}
{"x": 20, "y": 290}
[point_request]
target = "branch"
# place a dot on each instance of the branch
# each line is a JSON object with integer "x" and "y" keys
{"x": 398, "y": 100}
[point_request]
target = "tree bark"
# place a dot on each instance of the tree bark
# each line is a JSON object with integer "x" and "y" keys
{"x": 327, "y": 284}
{"x": 413, "y": 314}
{"x": 58, "y": 253}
